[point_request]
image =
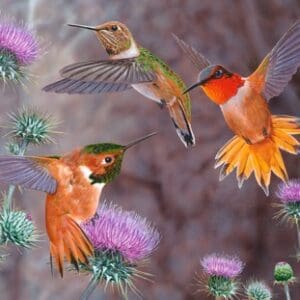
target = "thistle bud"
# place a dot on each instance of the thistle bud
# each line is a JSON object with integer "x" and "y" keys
{"x": 30, "y": 127}
{"x": 258, "y": 290}
{"x": 17, "y": 228}
{"x": 283, "y": 273}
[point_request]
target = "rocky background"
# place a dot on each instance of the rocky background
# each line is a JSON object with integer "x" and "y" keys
{"x": 177, "y": 189}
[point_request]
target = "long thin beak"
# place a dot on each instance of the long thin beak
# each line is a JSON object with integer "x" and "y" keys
{"x": 84, "y": 26}
{"x": 193, "y": 86}
{"x": 139, "y": 140}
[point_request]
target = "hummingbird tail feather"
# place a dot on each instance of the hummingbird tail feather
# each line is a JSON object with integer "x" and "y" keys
{"x": 69, "y": 242}
{"x": 181, "y": 123}
{"x": 262, "y": 158}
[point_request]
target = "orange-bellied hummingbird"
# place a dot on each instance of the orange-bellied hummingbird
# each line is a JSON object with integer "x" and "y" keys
{"x": 129, "y": 66}
{"x": 73, "y": 184}
{"x": 259, "y": 136}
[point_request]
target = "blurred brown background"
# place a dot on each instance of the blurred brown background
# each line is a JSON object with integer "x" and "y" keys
{"x": 177, "y": 189}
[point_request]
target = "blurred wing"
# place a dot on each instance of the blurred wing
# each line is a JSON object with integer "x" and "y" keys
{"x": 114, "y": 71}
{"x": 278, "y": 67}
{"x": 197, "y": 58}
{"x": 73, "y": 86}
{"x": 29, "y": 172}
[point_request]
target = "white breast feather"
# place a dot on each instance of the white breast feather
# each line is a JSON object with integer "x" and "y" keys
{"x": 86, "y": 173}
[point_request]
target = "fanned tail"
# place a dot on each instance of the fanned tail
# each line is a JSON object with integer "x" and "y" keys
{"x": 68, "y": 241}
{"x": 262, "y": 158}
{"x": 181, "y": 123}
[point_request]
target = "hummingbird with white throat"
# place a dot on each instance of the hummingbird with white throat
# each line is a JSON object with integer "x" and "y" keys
{"x": 129, "y": 66}
{"x": 73, "y": 183}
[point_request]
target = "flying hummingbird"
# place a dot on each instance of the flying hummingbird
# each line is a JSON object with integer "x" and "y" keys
{"x": 73, "y": 184}
{"x": 259, "y": 135}
{"x": 129, "y": 66}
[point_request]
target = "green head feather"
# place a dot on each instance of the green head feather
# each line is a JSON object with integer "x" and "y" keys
{"x": 112, "y": 170}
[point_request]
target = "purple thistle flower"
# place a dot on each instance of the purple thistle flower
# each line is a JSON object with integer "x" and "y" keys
{"x": 220, "y": 265}
{"x": 123, "y": 231}
{"x": 19, "y": 41}
{"x": 289, "y": 192}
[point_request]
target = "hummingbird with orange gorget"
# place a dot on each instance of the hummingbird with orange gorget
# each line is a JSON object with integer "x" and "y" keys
{"x": 129, "y": 66}
{"x": 259, "y": 135}
{"x": 73, "y": 184}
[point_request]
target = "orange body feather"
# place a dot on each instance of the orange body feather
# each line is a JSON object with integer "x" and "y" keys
{"x": 75, "y": 200}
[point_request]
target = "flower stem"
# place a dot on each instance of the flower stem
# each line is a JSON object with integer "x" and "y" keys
{"x": 8, "y": 198}
{"x": 287, "y": 291}
{"x": 298, "y": 235}
{"x": 90, "y": 288}
{"x": 218, "y": 298}
{"x": 7, "y": 202}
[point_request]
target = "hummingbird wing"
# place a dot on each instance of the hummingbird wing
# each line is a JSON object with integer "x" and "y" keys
{"x": 29, "y": 172}
{"x": 126, "y": 71}
{"x": 73, "y": 86}
{"x": 278, "y": 67}
{"x": 197, "y": 58}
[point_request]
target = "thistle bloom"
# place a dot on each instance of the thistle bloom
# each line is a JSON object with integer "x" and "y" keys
{"x": 220, "y": 272}
{"x": 121, "y": 240}
{"x": 219, "y": 265}
{"x": 289, "y": 196}
{"x": 122, "y": 231}
{"x": 289, "y": 192}
{"x": 258, "y": 290}
{"x": 18, "y": 48}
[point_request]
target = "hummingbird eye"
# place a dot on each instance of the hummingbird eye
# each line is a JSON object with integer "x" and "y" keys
{"x": 107, "y": 160}
{"x": 219, "y": 73}
{"x": 114, "y": 28}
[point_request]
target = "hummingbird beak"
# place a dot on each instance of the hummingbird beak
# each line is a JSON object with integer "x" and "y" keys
{"x": 139, "y": 140}
{"x": 84, "y": 26}
{"x": 193, "y": 86}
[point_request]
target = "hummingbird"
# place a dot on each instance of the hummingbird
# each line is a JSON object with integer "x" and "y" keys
{"x": 73, "y": 184}
{"x": 259, "y": 135}
{"x": 129, "y": 66}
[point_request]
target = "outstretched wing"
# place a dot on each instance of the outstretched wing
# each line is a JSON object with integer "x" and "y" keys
{"x": 114, "y": 71}
{"x": 28, "y": 172}
{"x": 197, "y": 58}
{"x": 278, "y": 67}
{"x": 73, "y": 86}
